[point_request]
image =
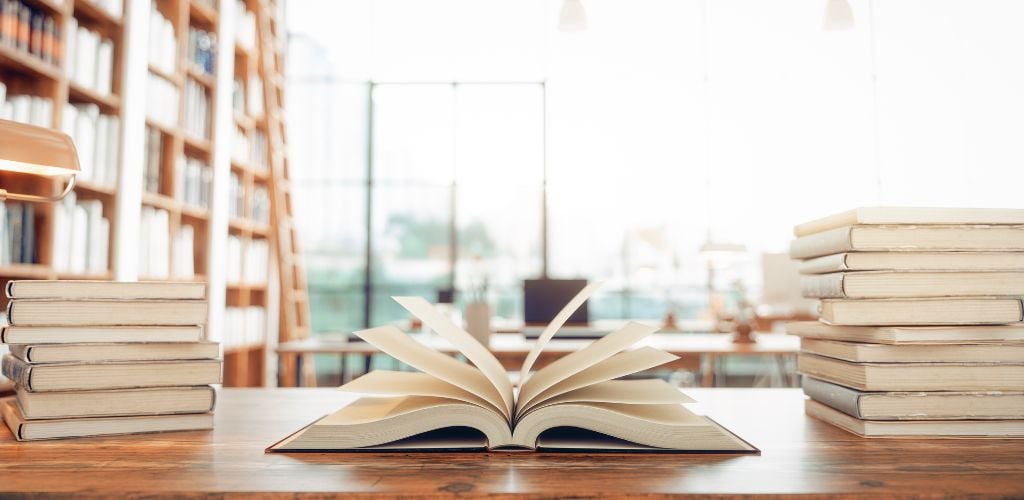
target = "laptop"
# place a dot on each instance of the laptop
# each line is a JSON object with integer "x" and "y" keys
{"x": 543, "y": 298}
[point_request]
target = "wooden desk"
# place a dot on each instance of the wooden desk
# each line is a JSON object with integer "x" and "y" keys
{"x": 799, "y": 456}
{"x": 697, "y": 351}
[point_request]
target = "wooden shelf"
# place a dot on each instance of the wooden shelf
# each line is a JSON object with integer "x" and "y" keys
{"x": 26, "y": 63}
{"x": 89, "y": 10}
{"x": 177, "y": 80}
{"x": 27, "y": 271}
{"x": 161, "y": 201}
{"x": 162, "y": 127}
{"x": 104, "y": 276}
{"x": 194, "y": 212}
{"x": 95, "y": 189}
{"x": 197, "y": 144}
{"x": 205, "y": 14}
{"x": 51, "y": 7}
{"x": 199, "y": 76}
{"x": 109, "y": 104}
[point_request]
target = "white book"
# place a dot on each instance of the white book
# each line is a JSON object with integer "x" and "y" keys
{"x": 162, "y": 244}
{"x": 3, "y": 92}
{"x": 145, "y": 221}
{"x": 79, "y": 239}
{"x": 105, "y": 67}
{"x": 113, "y": 152}
{"x": 69, "y": 122}
{"x": 100, "y": 149}
{"x": 62, "y": 222}
{"x": 71, "y": 47}
{"x": 97, "y": 258}
{"x": 20, "y": 108}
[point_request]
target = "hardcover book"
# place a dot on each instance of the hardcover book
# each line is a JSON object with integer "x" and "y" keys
{"x": 576, "y": 402}
{"x": 912, "y": 215}
{"x": 898, "y": 335}
{"x": 90, "y": 353}
{"x": 914, "y": 261}
{"x": 978, "y": 238}
{"x": 33, "y": 430}
{"x": 916, "y": 405}
{"x": 916, "y": 428}
{"x": 72, "y": 289}
{"x": 913, "y": 284}
{"x": 914, "y": 376}
{"x": 117, "y": 402}
{"x": 119, "y": 375}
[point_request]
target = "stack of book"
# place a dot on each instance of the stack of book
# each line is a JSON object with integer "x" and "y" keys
{"x": 921, "y": 321}
{"x": 99, "y": 358}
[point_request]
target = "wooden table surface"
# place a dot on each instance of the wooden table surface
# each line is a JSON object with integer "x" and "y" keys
{"x": 799, "y": 456}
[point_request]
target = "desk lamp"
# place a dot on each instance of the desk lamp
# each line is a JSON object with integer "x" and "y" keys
{"x": 40, "y": 151}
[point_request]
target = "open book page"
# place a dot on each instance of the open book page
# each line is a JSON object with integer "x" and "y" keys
{"x": 619, "y": 365}
{"x": 475, "y": 352}
{"x": 400, "y": 346}
{"x": 386, "y": 383}
{"x": 642, "y": 392}
{"x": 573, "y": 363}
{"x": 556, "y": 323}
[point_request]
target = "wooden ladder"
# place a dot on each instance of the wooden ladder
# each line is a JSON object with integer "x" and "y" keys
{"x": 294, "y": 317}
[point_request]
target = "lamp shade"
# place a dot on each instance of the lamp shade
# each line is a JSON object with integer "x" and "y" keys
{"x": 572, "y": 17}
{"x": 838, "y": 16}
{"x": 33, "y": 150}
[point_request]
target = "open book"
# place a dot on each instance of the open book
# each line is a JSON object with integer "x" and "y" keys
{"x": 576, "y": 402}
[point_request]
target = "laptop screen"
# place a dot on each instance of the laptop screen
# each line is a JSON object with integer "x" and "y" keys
{"x": 543, "y": 298}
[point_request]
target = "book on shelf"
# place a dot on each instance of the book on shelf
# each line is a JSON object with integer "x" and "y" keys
{"x": 55, "y": 312}
{"x": 30, "y": 30}
{"x": 31, "y": 109}
{"x": 911, "y": 215}
{"x": 18, "y": 245}
{"x": 245, "y": 25}
{"x": 82, "y": 376}
{"x": 33, "y": 430}
{"x": 236, "y": 196}
{"x": 968, "y": 334}
{"x": 184, "y": 252}
{"x": 260, "y": 208}
{"x": 915, "y": 428}
{"x": 192, "y": 182}
{"x": 98, "y": 334}
{"x": 116, "y": 402}
{"x": 244, "y": 326}
{"x": 259, "y": 153}
{"x": 476, "y": 406}
{"x": 909, "y": 238}
{"x": 153, "y": 152}
{"x": 96, "y": 136}
{"x": 163, "y": 44}
{"x": 256, "y": 258}
{"x": 941, "y": 405}
{"x": 154, "y": 243}
{"x": 927, "y": 311}
{"x": 123, "y": 290}
{"x": 914, "y": 261}
{"x": 81, "y": 239}
{"x": 90, "y": 58}
{"x": 197, "y": 110}
{"x": 234, "y": 264}
{"x": 915, "y": 353}
{"x": 161, "y": 101}
{"x": 128, "y": 351}
{"x": 981, "y": 376}
{"x": 201, "y": 49}
{"x": 895, "y": 284}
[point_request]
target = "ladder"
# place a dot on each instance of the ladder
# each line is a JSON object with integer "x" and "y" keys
{"x": 294, "y": 317}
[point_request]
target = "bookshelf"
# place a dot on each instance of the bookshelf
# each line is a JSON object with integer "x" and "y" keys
{"x": 163, "y": 194}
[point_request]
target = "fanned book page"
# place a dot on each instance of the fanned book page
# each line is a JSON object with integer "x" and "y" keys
{"x": 578, "y": 402}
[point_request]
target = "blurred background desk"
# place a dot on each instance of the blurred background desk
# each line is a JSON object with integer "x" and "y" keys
{"x": 702, "y": 353}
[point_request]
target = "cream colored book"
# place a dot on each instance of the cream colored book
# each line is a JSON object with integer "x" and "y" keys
{"x": 90, "y": 334}
{"x": 912, "y": 215}
{"x": 115, "y": 375}
{"x": 914, "y": 261}
{"x": 914, "y": 376}
{"x": 909, "y": 239}
{"x": 87, "y": 353}
{"x": 47, "y": 312}
{"x": 932, "y": 311}
{"x": 897, "y": 335}
{"x": 71, "y": 289}
{"x": 455, "y": 405}
{"x": 916, "y": 428}
{"x": 906, "y": 405}
{"x": 919, "y": 353}
{"x": 118, "y": 402}
{"x": 913, "y": 284}
{"x": 35, "y": 430}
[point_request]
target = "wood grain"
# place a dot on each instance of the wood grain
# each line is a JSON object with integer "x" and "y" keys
{"x": 799, "y": 456}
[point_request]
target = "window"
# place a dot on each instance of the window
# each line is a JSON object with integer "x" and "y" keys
{"x": 429, "y": 133}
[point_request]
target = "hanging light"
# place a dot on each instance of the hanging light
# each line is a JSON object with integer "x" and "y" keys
{"x": 838, "y": 16}
{"x": 572, "y": 17}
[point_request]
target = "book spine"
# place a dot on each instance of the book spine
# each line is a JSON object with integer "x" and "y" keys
{"x": 18, "y": 371}
{"x": 835, "y": 396}
{"x": 823, "y": 265}
{"x": 824, "y": 243}
{"x": 824, "y": 286}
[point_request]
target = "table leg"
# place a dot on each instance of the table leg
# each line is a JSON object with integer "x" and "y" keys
{"x": 780, "y": 364}
{"x": 299, "y": 359}
{"x": 343, "y": 371}
{"x": 367, "y": 362}
{"x": 707, "y": 376}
